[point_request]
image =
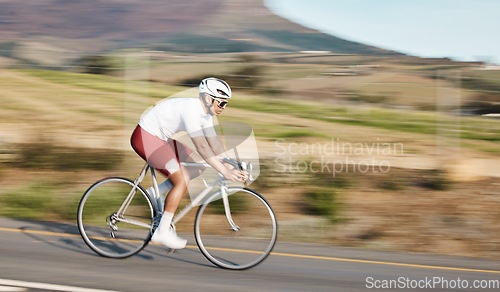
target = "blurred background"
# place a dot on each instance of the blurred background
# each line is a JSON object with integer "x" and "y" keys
{"x": 359, "y": 145}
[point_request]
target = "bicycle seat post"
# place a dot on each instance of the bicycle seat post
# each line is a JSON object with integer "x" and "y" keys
{"x": 156, "y": 196}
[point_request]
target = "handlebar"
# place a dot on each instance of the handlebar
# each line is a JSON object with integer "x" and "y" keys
{"x": 242, "y": 165}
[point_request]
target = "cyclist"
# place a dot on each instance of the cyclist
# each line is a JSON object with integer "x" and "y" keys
{"x": 152, "y": 140}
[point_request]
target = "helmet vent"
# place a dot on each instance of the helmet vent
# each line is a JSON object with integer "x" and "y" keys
{"x": 221, "y": 92}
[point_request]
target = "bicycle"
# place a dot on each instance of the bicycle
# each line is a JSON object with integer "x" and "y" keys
{"x": 235, "y": 227}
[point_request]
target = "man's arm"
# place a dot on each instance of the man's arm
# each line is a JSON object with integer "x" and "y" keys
{"x": 204, "y": 148}
{"x": 216, "y": 145}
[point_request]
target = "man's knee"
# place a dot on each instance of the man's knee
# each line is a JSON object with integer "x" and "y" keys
{"x": 180, "y": 184}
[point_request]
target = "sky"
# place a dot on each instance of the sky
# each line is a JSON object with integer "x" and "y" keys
{"x": 463, "y": 30}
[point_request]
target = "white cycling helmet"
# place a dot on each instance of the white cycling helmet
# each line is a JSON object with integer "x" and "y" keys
{"x": 215, "y": 87}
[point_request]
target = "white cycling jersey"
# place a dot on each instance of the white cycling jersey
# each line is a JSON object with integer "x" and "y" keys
{"x": 178, "y": 114}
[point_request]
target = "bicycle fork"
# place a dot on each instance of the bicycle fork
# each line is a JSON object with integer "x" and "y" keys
{"x": 202, "y": 195}
{"x": 227, "y": 209}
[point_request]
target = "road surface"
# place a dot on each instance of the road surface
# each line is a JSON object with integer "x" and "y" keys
{"x": 50, "y": 256}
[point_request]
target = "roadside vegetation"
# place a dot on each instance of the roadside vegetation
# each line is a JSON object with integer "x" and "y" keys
{"x": 87, "y": 117}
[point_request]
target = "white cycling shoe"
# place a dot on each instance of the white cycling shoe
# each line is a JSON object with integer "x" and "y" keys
{"x": 168, "y": 238}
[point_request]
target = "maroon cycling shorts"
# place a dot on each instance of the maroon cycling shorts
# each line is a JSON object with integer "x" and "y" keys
{"x": 165, "y": 156}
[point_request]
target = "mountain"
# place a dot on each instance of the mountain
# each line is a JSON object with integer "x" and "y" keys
{"x": 75, "y": 27}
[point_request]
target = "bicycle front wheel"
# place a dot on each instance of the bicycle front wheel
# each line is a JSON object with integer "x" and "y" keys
{"x": 246, "y": 242}
{"x": 105, "y": 230}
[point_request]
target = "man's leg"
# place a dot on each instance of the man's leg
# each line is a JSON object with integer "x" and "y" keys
{"x": 164, "y": 233}
{"x": 174, "y": 197}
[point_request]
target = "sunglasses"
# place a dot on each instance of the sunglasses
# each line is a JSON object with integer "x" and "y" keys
{"x": 220, "y": 102}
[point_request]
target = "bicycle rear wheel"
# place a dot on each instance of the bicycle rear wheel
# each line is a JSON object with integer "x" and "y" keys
{"x": 242, "y": 248}
{"x": 105, "y": 231}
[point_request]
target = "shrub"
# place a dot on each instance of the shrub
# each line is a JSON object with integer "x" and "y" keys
{"x": 45, "y": 155}
{"x": 372, "y": 98}
{"x": 391, "y": 185}
{"x": 436, "y": 180}
{"x": 322, "y": 202}
{"x": 96, "y": 65}
{"x": 30, "y": 202}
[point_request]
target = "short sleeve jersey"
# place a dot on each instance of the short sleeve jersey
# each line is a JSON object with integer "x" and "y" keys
{"x": 175, "y": 115}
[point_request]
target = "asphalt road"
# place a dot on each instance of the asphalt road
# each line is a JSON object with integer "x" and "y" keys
{"x": 49, "y": 256}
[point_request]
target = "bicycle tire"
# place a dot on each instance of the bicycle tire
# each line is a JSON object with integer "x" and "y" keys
{"x": 242, "y": 249}
{"x": 97, "y": 208}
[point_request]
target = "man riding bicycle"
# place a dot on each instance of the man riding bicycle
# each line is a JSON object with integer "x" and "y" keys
{"x": 152, "y": 140}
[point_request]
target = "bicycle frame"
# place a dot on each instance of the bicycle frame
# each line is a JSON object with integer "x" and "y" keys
{"x": 220, "y": 180}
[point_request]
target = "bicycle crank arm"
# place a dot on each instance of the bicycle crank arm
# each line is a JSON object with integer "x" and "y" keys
{"x": 134, "y": 222}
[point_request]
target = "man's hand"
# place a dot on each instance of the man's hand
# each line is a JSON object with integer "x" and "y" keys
{"x": 236, "y": 175}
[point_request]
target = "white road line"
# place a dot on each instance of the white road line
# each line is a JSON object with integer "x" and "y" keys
{"x": 44, "y": 286}
{"x": 11, "y": 289}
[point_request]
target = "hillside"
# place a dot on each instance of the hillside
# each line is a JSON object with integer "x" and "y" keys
{"x": 76, "y": 27}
